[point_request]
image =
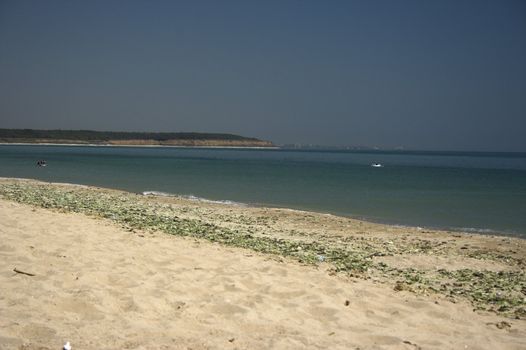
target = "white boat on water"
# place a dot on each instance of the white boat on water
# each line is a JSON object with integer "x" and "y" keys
{"x": 377, "y": 165}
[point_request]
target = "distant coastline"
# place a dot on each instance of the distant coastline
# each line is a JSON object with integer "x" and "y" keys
{"x": 133, "y": 139}
{"x": 131, "y": 145}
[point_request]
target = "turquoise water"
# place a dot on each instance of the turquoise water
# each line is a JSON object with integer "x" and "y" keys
{"x": 482, "y": 192}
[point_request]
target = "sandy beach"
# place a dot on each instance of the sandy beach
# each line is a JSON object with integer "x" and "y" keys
{"x": 97, "y": 267}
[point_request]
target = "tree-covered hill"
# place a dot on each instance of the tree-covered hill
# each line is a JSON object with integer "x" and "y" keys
{"x": 127, "y": 138}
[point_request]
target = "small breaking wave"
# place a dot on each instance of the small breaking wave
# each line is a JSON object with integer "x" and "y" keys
{"x": 491, "y": 232}
{"x": 158, "y": 193}
{"x": 192, "y": 198}
{"x": 474, "y": 230}
{"x": 200, "y": 199}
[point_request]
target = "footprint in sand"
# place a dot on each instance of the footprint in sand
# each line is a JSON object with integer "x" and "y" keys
{"x": 323, "y": 314}
{"x": 87, "y": 310}
{"x": 7, "y": 248}
{"x": 38, "y": 333}
{"x": 227, "y": 309}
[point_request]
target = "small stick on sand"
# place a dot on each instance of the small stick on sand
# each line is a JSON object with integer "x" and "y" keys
{"x": 23, "y": 272}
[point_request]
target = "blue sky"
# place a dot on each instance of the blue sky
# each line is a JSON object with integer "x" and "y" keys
{"x": 447, "y": 75}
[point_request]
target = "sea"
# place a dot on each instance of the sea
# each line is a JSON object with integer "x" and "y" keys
{"x": 465, "y": 191}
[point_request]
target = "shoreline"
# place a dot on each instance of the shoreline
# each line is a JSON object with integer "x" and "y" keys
{"x": 465, "y": 230}
{"x": 130, "y": 146}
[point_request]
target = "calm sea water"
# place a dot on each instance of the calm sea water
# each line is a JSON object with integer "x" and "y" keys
{"x": 482, "y": 192}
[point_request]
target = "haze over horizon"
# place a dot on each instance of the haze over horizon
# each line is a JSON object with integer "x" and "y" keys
{"x": 448, "y": 75}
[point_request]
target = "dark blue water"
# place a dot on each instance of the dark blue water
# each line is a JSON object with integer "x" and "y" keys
{"x": 484, "y": 192}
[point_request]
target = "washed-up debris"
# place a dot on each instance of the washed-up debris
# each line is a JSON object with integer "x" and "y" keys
{"x": 23, "y": 272}
{"x": 413, "y": 344}
{"x": 503, "y": 325}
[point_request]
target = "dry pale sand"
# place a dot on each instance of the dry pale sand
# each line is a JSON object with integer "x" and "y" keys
{"x": 101, "y": 287}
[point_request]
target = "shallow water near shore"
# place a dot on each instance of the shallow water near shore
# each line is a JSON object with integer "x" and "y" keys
{"x": 480, "y": 192}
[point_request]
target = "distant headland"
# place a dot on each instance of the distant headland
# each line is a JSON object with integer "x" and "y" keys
{"x": 122, "y": 138}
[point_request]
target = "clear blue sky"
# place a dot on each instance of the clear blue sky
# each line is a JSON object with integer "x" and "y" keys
{"x": 447, "y": 75}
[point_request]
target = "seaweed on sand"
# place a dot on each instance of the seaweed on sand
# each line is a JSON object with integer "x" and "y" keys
{"x": 502, "y": 292}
